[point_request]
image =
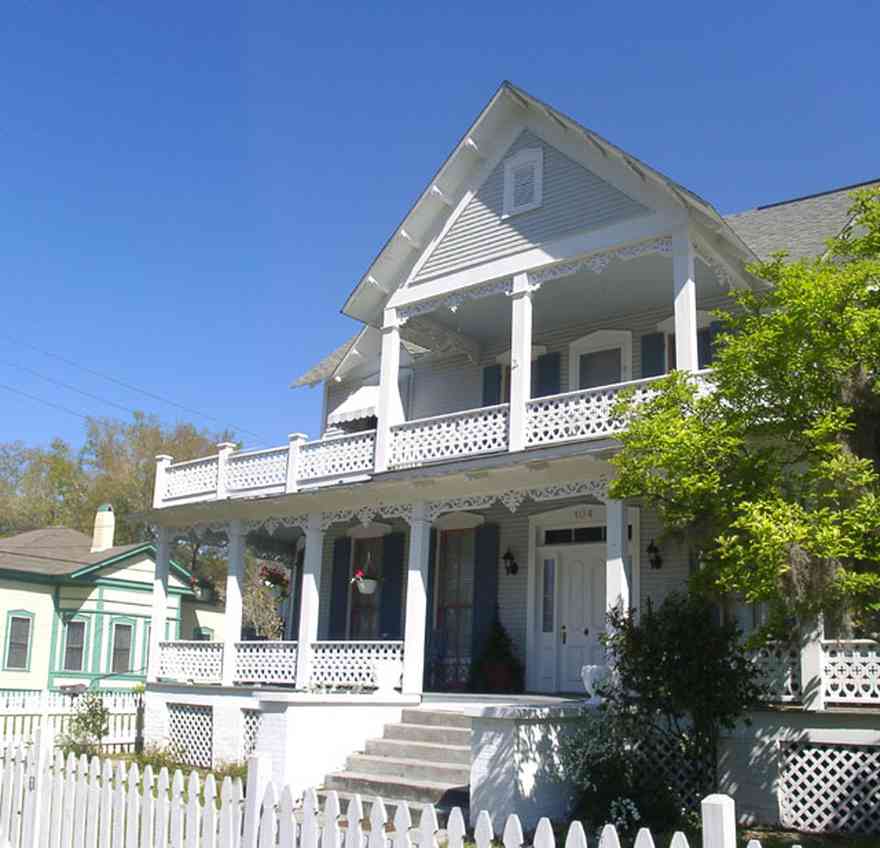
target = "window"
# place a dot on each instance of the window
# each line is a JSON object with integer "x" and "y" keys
{"x": 203, "y": 634}
{"x": 523, "y": 182}
{"x": 548, "y": 595}
{"x": 601, "y": 358}
{"x": 18, "y": 641}
{"x": 74, "y": 645}
{"x": 122, "y": 643}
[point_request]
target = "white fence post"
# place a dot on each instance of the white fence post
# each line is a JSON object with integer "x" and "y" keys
{"x": 295, "y": 441}
{"x": 258, "y": 771}
{"x": 719, "y": 821}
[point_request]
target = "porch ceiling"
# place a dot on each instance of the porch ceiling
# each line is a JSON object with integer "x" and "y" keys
{"x": 621, "y": 290}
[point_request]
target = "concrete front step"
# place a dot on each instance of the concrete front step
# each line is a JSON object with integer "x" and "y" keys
{"x": 391, "y": 805}
{"x": 388, "y": 787}
{"x": 443, "y": 718}
{"x": 457, "y": 754}
{"x": 450, "y": 773}
{"x": 435, "y": 734}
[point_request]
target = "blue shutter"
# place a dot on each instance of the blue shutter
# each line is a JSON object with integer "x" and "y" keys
{"x": 715, "y": 328}
{"x": 653, "y": 354}
{"x": 429, "y": 618}
{"x": 492, "y": 385}
{"x": 391, "y": 588}
{"x": 485, "y": 587}
{"x": 547, "y": 374}
{"x": 339, "y": 587}
{"x": 704, "y": 348}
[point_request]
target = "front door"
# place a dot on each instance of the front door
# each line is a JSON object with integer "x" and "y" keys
{"x": 571, "y": 614}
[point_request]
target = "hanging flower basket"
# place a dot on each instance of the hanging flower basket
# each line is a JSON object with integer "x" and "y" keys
{"x": 365, "y": 582}
{"x": 277, "y": 581}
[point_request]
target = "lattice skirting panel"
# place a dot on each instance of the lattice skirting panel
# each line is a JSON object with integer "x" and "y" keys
{"x": 250, "y": 727}
{"x": 191, "y": 734}
{"x": 830, "y": 788}
{"x": 680, "y": 772}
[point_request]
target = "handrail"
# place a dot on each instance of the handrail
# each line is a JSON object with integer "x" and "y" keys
{"x": 479, "y": 410}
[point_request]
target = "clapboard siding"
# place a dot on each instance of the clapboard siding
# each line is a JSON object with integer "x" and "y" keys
{"x": 573, "y": 199}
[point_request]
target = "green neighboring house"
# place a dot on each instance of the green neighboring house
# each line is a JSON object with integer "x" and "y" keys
{"x": 76, "y": 610}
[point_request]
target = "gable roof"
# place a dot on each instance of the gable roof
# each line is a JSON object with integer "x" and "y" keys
{"x": 435, "y": 203}
{"x": 61, "y": 552}
{"x": 800, "y": 226}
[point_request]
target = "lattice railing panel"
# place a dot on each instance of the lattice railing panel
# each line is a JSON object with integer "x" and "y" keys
{"x": 477, "y": 431}
{"x": 250, "y": 727}
{"x": 830, "y": 788}
{"x": 265, "y": 662}
{"x": 337, "y": 456}
{"x": 191, "y": 734}
{"x": 579, "y": 415}
{"x": 199, "y": 662}
{"x": 198, "y": 477}
{"x": 353, "y": 664}
{"x": 257, "y": 469}
{"x": 678, "y": 770}
{"x": 779, "y": 668}
{"x": 851, "y": 671}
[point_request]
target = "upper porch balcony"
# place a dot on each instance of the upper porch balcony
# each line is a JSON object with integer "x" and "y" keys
{"x": 519, "y": 364}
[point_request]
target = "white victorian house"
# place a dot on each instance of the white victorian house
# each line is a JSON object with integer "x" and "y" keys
{"x": 464, "y": 463}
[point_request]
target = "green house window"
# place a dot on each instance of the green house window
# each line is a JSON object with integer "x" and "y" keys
{"x": 18, "y": 646}
{"x": 75, "y": 646}
{"x": 122, "y": 639}
{"x": 203, "y": 634}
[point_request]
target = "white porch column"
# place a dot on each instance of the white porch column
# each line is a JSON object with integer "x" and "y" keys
{"x": 390, "y": 411}
{"x": 160, "y": 602}
{"x": 234, "y": 585}
{"x": 616, "y": 584}
{"x": 685, "y": 293}
{"x": 162, "y": 463}
{"x": 309, "y": 599}
{"x": 416, "y": 601}
{"x": 812, "y": 664}
{"x": 520, "y": 360}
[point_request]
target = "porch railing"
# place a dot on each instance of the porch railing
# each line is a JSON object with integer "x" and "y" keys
{"x": 779, "y": 669}
{"x": 191, "y": 662}
{"x": 264, "y": 470}
{"x": 356, "y": 665}
{"x": 265, "y": 662}
{"x": 851, "y": 671}
{"x": 443, "y": 437}
{"x": 337, "y": 456}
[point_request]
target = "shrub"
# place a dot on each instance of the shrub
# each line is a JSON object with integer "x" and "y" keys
{"x": 88, "y": 726}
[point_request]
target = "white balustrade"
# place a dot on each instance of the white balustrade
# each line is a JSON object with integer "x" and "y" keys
{"x": 265, "y": 663}
{"x": 851, "y": 671}
{"x": 263, "y": 469}
{"x": 443, "y": 437}
{"x": 779, "y": 668}
{"x": 337, "y": 456}
{"x": 585, "y": 414}
{"x": 195, "y": 662}
{"x": 196, "y": 477}
{"x": 355, "y": 665}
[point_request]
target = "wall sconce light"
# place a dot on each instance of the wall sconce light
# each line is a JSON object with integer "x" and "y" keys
{"x": 654, "y": 558}
{"x": 509, "y": 560}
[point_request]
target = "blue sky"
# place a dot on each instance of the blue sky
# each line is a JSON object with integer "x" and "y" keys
{"x": 190, "y": 190}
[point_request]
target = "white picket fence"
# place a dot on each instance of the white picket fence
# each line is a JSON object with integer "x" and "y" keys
{"x": 79, "y": 804}
{"x": 21, "y": 714}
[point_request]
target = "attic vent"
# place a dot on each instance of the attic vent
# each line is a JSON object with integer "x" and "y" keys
{"x": 523, "y": 181}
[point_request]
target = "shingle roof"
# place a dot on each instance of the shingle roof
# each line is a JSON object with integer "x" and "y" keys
{"x": 800, "y": 226}
{"x": 54, "y": 551}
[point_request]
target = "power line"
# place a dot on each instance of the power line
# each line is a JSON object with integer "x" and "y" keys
{"x": 44, "y": 402}
{"x": 128, "y": 386}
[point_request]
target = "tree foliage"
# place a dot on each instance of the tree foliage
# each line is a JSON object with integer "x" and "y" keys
{"x": 774, "y": 472}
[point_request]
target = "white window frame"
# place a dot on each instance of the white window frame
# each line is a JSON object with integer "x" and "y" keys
{"x": 595, "y": 342}
{"x": 533, "y": 156}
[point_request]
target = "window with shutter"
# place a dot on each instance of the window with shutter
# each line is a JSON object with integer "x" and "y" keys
{"x": 18, "y": 647}
{"x": 74, "y": 645}
{"x": 523, "y": 181}
{"x": 122, "y": 638}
